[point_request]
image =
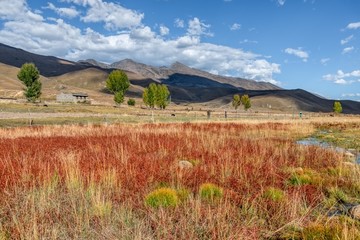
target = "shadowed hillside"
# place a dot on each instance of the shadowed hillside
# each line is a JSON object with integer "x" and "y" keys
{"x": 187, "y": 85}
{"x": 48, "y": 66}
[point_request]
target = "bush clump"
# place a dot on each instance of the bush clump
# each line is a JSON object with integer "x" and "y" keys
{"x": 162, "y": 197}
{"x": 131, "y": 102}
{"x": 210, "y": 192}
{"x": 274, "y": 194}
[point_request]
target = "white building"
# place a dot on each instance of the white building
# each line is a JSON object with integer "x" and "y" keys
{"x": 71, "y": 97}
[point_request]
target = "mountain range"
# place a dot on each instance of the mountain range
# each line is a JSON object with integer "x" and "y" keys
{"x": 187, "y": 85}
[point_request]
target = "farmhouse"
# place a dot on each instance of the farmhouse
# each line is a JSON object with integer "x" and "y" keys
{"x": 72, "y": 97}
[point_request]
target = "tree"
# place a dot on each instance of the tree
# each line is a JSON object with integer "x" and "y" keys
{"x": 236, "y": 102}
{"x": 337, "y": 107}
{"x": 117, "y": 83}
{"x": 149, "y": 95}
{"x": 162, "y": 96}
{"x": 119, "y": 97}
{"x": 245, "y": 100}
{"x": 156, "y": 95}
{"x": 29, "y": 75}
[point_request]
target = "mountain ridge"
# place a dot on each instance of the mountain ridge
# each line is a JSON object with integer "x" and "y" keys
{"x": 186, "y": 84}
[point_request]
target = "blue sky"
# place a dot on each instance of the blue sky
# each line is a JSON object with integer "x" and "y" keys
{"x": 309, "y": 44}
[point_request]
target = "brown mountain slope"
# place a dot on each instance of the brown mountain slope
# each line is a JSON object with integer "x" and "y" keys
{"x": 47, "y": 65}
{"x": 166, "y": 74}
{"x": 187, "y": 85}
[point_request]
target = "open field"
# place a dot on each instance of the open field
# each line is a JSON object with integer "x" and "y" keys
{"x": 93, "y": 181}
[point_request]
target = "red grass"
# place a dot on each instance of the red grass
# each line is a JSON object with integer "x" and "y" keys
{"x": 240, "y": 158}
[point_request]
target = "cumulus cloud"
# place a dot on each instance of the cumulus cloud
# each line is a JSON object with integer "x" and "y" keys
{"x": 112, "y": 14}
{"x": 235, "y": 26}
{"x": 347, "y": 50}
{"x": 139, "y": 42}
{"x": 298, "y": 53}
{"x": 179, "y": 23}
{"x": 164, "y": 30}
{"x": 18, "y": 10}
{"x": 342, "y": 77}
{"x": 63, "y": 12}
{"x": 346, "y": 40}
{"x": 354, "y": 25}
{"x": 197, "y": 28}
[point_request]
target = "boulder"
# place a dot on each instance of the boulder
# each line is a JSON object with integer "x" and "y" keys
{"x": 355, "y": 212}
{"x": 349, "y": 155}
{"x": 183, "y": 164}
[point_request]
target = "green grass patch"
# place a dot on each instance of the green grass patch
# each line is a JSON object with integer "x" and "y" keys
{"x": 210, "y": 192}
{"x": 162, "y": 197}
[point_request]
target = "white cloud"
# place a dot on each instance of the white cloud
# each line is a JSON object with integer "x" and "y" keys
{"x": 140, "y": 42}
{"x": 347, "y": 50}
{"x": 198, "y": 28}
{"x": 18, "y": 10}
{"x": 144, "y": 33}
{"x": 235, "y": 26}
{"x": 354, "y": 25}
{"x": 248, "y": 41}
{"x": 113, "y": 15}
{"x": 298, "y": 53}
{"x": 164, "y": 30}
{"x": 63, "y": 12}
{"x": 324, "y": 61}
{"x": 179, "y": 23}
{"x": 343, "y": 78}
{"x": 346, "y": 40}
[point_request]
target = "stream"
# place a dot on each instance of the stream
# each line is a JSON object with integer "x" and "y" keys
{"x": 342, "y": 208}
{"x": 316, "y": 142}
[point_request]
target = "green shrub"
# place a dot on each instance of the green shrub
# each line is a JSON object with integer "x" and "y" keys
{"x": 298, "y": 180}
{"x": 337, "y": 194}
{"x": 210, "y": 192}
{"x": 274, "y": 194}
{"x": 162, "y": 197}
{"x": 131, "y": 102}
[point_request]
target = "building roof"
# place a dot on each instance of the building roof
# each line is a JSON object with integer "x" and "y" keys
{"x": 79, "y": 94}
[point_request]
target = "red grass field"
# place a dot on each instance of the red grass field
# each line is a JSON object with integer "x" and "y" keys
{"x": 90, "y": 182}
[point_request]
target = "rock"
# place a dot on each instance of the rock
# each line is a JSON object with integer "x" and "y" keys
{"x": 299, "y": 170}
{"x": 349, "y": 154}
{"x": 355, "y": 212}
{"x": 183, "y": 164}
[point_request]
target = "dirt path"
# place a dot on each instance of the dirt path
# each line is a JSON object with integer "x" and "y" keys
{"x": 12, "y": 115}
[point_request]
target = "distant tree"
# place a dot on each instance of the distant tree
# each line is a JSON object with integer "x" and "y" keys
{"x": 149, "y": 95}
{"x": 119, "y": 97}
{"x": 236, "y": 102}
{"x": 117, "y": 83}
{"x": 162, "y": 96}
{"x": 29, "y": 75}
{"x": 156, "y": 95}
{"x": 131, "y": 102}
{"x": 245, "y": 100}
{"x": 337, "y": 107}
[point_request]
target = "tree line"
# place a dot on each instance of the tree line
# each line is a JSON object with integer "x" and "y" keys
{"x": 118, "y": 83}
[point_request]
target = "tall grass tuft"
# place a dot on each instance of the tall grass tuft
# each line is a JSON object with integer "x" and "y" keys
{"x": 162, "y": 197}
{"x": 210, "y": 192}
